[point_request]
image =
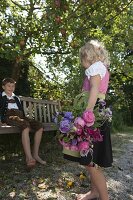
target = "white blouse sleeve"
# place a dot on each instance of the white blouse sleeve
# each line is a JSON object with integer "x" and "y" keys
{"x": 95, "y": 69}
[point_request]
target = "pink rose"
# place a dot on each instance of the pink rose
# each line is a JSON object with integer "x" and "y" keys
{"x": 83, "y": 146}
{"x": 95, "y": 134}
{"x": 89, "y": 117}
{"x": 79, "y": 122}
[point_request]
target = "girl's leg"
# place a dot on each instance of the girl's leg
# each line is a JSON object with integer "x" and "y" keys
{"x": 26, "y": 145}
{"x": 99, "y": 181}
{"x": 99, "y": 187}
{"x": 37, "y": 140}
{"x": 93, "y": 193}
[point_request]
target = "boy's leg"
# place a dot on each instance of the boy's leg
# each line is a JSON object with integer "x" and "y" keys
{"x": 38, "y": 128}
{"x": 37, "y": 140}
{"x": 24, "y": 125}
{"x": 26, "y": 146}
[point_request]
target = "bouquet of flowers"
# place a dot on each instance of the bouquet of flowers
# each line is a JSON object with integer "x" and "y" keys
{"x": 78, "y": 133}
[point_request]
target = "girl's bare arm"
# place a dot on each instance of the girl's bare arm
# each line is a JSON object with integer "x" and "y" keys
{"x": 94, "y": 83}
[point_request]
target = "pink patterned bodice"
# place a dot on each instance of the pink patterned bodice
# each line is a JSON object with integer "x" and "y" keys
{"x": 104, "y": 80}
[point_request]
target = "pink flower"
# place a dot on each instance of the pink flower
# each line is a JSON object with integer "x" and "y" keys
{"x": 78, "y": 131}
{"x": 95, "y": 134}
{"x": 67, "y": 147}
{"x": 89, "y": 117}
{"x": 79, "y": 139}
{"x": 74, "y": 148}
{"x": 89, "y": 131}
{"x": 97, "y": 137}
{"x": 64, "y": 143}
{"x": 83, "y": 146}
{"x": 79, "y": 122}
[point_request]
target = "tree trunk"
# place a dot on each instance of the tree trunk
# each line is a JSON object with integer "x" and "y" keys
{"x": 16, "y": 69}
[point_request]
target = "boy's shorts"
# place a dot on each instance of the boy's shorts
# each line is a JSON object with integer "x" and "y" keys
{"x": 15, "y": 117}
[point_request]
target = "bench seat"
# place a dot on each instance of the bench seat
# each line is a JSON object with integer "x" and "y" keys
{"x": 5, "y": 129}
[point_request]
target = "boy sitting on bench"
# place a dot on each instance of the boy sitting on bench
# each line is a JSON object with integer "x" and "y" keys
{"x": 12, "y": 113}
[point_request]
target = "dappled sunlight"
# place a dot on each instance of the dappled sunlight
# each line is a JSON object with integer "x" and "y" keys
{"x": 117, "y": 186}
{"x": 60, "y": 179}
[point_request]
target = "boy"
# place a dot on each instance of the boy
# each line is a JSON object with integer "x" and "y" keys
{"x": 12, "y": 113}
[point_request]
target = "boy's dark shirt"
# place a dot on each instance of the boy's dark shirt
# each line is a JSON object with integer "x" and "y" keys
{"x": 4, "y": 106}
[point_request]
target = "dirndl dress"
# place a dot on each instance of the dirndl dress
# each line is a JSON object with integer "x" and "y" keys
{"x": 102, "y": 151}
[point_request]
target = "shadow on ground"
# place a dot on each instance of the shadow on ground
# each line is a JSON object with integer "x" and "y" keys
{"x": 60, "y": 179}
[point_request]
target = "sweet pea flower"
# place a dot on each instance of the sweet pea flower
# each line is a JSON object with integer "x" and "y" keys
{"x": 65, "y": 126}
{"x": 79, "y": 131}
{"x": 79, "y": 139}
{"x": 108, "y": 112}
{"x": 102, "y": 102}
{"x": 74, "y": 142}
{"x": 55, "y": 120}
{"x": 83, "y": 146}
{"x": 55, "y": 117}
{"x": 68, "y": 115}
{"x": 79, "y": 122}
{"x": 89, "y": 117}
{"x": 66, "y": 145}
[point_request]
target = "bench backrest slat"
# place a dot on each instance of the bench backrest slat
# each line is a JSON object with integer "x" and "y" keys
{"x": 44, "y": 112}
{"x": 48, "y": 113}
{"x": 35, "y": 110}
{"x": 25, "y": 108}
{"x": 30, "y": 110}
{"x": 41, "y": 110}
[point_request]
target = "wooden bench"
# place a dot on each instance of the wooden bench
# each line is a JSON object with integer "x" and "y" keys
{"x": 41, "y": 110}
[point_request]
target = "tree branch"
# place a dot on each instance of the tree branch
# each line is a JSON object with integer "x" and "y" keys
{"x": 18, "y": 5}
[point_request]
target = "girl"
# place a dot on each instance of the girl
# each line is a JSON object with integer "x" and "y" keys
{"x": 94, "y": 58}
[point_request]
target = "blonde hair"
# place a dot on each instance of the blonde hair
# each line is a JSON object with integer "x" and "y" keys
{"x": 94, "y": 51}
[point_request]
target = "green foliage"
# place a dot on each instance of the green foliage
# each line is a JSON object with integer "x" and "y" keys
{"x": 80, "y": 103}
{"x": 56, "y": 30}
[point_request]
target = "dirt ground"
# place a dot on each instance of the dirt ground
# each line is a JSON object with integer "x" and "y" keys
{"x": 61, "y": 179}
